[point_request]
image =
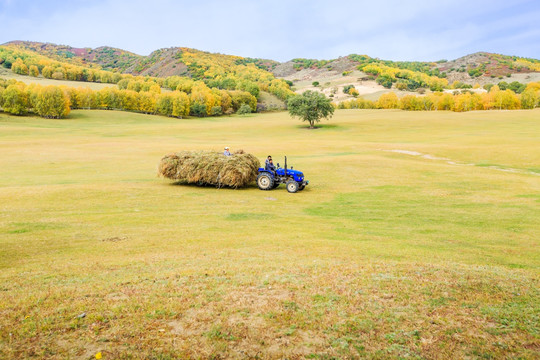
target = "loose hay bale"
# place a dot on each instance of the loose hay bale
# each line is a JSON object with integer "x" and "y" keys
{"x": 210, "y": 168}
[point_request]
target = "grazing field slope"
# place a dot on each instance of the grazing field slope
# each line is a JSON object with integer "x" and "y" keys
{"x": 417, "y": 237}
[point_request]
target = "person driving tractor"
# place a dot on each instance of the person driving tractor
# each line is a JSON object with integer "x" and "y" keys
{"x": 269, "y": 164}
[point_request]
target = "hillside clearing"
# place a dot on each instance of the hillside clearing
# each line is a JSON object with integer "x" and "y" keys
{"x": 8, "y": 75}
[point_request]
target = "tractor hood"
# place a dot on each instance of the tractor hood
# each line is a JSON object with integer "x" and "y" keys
{"x": 290, "y": 172}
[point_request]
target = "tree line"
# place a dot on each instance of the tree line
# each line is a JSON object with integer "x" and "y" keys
{"x": 464, "y": 100}
{"x": 56, "y": 102}
{"x": 215, "y": 70}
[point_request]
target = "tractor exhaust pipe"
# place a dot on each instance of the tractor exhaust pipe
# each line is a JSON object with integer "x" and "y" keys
{"x": 285, "y": 167}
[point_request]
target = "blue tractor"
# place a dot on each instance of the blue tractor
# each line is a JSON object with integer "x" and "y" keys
{"x": 293, "y": 179}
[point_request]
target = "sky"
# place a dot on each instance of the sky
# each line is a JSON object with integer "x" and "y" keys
{"x": 414, "y": 30}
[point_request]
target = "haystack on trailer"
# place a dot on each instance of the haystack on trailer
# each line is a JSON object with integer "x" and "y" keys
{"x": 210, "y": 168}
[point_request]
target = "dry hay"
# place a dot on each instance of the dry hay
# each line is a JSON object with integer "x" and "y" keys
{"x": 210, "y": 168}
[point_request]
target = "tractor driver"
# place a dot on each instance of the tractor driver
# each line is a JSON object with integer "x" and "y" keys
{"x": 269, "y": 164}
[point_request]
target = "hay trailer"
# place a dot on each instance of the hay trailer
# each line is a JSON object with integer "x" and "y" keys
{"x": 293, "y": 179}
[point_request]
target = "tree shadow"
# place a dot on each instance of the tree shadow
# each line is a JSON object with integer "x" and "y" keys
{"x": 321, "y": 126}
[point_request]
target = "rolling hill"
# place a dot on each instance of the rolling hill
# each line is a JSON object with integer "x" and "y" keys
{"x": 370, "y": 76}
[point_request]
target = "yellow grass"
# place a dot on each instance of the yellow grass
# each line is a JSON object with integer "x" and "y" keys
{"x": 8, "y": 74}
{"x": 386, "y": 254}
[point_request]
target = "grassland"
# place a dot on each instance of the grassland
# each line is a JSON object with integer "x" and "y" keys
{"x": 8, "y": 75}
{"x": 384, "y": 255}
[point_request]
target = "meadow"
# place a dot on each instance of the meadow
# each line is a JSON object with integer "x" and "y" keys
{"x": 417, "y": 237}
{"x": 8, "y": 75}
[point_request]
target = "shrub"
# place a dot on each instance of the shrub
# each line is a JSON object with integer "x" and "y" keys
{"x": 216, "y": 111}
{"x": 244, "y": 109}
{"x": 347, "y": 89}
{"x": 385, "y": 80}
{"x": 198, "y": 109}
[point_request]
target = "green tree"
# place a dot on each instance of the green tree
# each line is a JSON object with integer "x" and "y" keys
{"x": 250, "y": 87}
{"x": 216, "y": 111}
{"x": 385, "y": 80}
{"x": 242, "y": 97}
{"x": 198, "y": 109}
{"x": 311, "y": 106}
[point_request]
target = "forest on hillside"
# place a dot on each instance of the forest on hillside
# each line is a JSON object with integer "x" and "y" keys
{"x": 216, "y": 84}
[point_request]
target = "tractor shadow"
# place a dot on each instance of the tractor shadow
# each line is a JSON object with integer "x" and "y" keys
{"x": 248, "y": 187}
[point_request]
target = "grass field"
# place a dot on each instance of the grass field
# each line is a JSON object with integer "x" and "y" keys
{"x": 8, "y": 75}
{"x": 416, "y": 238}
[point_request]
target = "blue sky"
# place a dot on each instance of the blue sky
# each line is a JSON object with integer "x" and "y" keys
{"x": 282, "y": 30}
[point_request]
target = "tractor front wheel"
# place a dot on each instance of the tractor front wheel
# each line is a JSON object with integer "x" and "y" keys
{"x": 292, "y": 186}
{"x": 265, "y": 181}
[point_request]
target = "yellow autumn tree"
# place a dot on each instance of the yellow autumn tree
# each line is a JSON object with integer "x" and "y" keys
{"x": 388, "y": 101}
{"x": 52, "y": 102}
{"x": 529, "y": 99}
{"x": 130, "y": 100}
{"x": 181, "y": 105}
{"x": 147, "y": 102}
{"x": 202, "y": 97}
{"x": 15, "y": 99}
{"x": 445, "y": 102}
{"x": 19, "y": 67}
{"x": 86, "y": 98}
{"x": 467, "y": 102}
{"x": 33, "y": 71}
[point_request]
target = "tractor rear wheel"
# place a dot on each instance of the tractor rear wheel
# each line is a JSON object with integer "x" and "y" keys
{"x": 292, "y": 186}
{"x": 265, "y": 181}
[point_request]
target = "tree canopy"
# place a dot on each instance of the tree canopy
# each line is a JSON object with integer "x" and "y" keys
{"x": 311, "y": 106}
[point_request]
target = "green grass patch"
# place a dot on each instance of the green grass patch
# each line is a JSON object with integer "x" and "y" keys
{"x": 248, "y": 216}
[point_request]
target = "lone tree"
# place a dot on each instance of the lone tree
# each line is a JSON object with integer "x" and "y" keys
{"x": 311, "y": 106}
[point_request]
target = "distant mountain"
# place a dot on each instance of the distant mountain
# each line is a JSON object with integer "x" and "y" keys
{"x": 481, "y": 67}
{"x": 160, "y": 63}
{"x": 107, "y": 57}
{"x": 370, "y": 77}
